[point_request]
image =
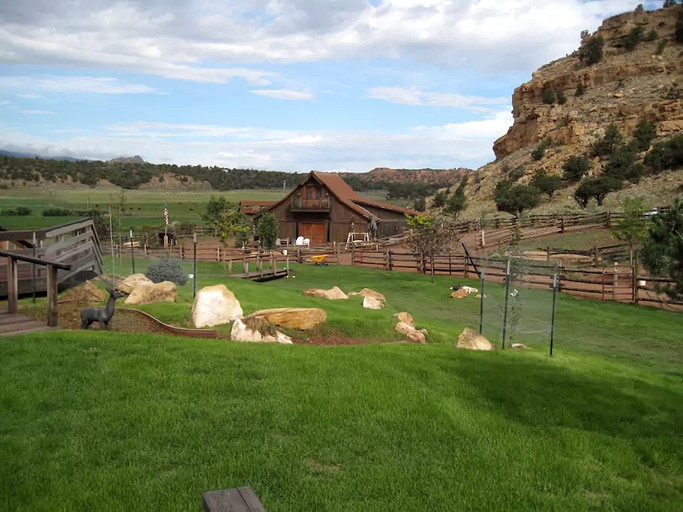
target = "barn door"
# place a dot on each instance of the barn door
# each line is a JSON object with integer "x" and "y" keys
{"x": 315, "y": 231}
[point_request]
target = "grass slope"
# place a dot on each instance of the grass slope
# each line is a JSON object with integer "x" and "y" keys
{"x": 105, "y": 420}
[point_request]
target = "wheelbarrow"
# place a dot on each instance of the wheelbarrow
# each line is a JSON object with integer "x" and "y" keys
{"x": 320, "y": 259}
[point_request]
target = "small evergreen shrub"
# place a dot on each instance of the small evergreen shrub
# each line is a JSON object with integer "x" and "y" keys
{"x": 561, "y": 98}
{"x": 19, "y": 211}
{"x": 549, "y": 96}
{"x": 166, "y": 269}
{"x": 580, "y": 90}
{"x": 591, "y": 50}
{"x": 575, "y": 168}
{"x": 57, "y": 212}
{"x": 634, "y": 37}
{"x": 660, "y": 47}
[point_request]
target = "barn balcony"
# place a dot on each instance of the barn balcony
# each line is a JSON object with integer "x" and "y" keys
{"x": 301, "y": 204}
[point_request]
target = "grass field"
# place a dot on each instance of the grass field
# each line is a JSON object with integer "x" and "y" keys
{"x": 113, "y": 421}
{"x": 141, "y": 207}
{"x": 583, "y": 241}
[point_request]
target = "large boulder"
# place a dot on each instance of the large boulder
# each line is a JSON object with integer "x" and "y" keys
{"x": 215, "y": 305}
{"x": 293, "y": 318}
{"x": 133, "y": 281}
{"x": 257, "y": 330}
{"x": 372, "y": 303}
{"x": 472, "y": 340}
{"x": 154, "y": 292}
{"x": 333, "y": 293}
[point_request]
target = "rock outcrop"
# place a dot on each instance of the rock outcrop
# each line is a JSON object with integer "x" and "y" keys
{"x": 471, "y": 340}
{"x": 257, "y": 330}
{"x": 334, "y": 293}
{"x": 154, "y": 292}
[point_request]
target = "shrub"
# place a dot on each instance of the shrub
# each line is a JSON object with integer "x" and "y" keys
{"x": 660, "y": 47}
{"x": 622, "y": 165}
{"x": 608, "y": 143}
{"x": 580, "y": 90}
{"x": 561, "y": 98}
{"x": 634, "y": 37}
{"x": 575, "y": 168}
{"x": 166, "y": 269}
{"x": 57, "y": 212}
{"x": 539, "y": 151}
{"x": 643, "y": 134}
{"x": 516, "y": 173}
{"x": 19, "y": 211}
{"x": 546, "y": 183}
{"x": 596, "y": 188}
{"x": 549, "y": 96}
{"x": 651, "y": 35}
{"x": 514, "y": 199}
{"x": 665, "y": 155}
{"x": 591, "y": 50}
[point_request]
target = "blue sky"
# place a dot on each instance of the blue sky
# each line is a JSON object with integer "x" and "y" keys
{"x": 286, "y": 85}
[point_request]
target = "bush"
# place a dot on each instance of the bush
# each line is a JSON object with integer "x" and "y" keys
{"x": 622, "y": 165}
{"x": 549, "y": 96}
{"x": 607, "y": 144}
{"x": 19, "y": 211}
{"x": 561, "y": 98}
{"x": 634, "y": 37}
{"x": 57, "y": 212}
{"x": 596, "y": 188}
{"x": 665, "y": 155}
{"x": 644, "y": 133}
{"x": 516, "y": 173}
{"x": 267, "y": 230}
{"x": 591, "y": 50}
{"x": 515, "y": 199}
{"x": 575, "y": 168}
{"x": 580, "y": 90}
{"x": 539, "y": 151}
{"x": 166, "y": 269}
{"x": 546, "y": 183}
{"x": 660, "y": 47}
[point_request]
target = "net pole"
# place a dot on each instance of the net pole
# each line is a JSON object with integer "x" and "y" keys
{"x": 194, "y": 265}
{"x": 552, "y": 315}
{"x": 481, "y": 304}
{"x": 507, "y": 295}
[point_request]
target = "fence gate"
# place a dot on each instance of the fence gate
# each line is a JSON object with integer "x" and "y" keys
{"x": 617, "y": 283}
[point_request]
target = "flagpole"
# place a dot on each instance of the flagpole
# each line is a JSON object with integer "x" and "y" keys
{"x": 166, "y": 244}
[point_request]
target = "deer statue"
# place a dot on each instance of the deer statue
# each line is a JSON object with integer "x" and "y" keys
{"x": 101, "y": 315}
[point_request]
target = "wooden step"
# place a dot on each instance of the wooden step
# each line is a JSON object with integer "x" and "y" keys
{"x": 15, "y": 324}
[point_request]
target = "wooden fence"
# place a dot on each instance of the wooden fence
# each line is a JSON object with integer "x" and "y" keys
{"x": 612, "y": 282}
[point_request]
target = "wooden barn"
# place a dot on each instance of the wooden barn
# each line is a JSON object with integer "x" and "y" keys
{"x": 324, "y": 208}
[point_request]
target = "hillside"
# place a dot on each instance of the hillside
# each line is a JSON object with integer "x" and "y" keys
{"x": 568, "y": 105}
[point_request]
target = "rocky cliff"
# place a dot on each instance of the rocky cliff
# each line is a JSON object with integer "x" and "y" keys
{"x": 624, "y": 86}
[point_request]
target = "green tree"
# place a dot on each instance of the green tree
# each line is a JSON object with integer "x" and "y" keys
{"x": 665, "y": 155}
{"x": 632, "y": 227}
{"x": 608, "y": 143}
{"x": 580, "y": 90}
{"x": 267, "y": 230}
{"x": 426, "y": 239}
{"x": 515, "y": 199}
{"x": 591, "y": 50}
{"x": 622, "y": 165}
{"x": 596, "y": 188}
{"x": 662, "y": 253}
{"x": 456, "y": 203}
{"x": 440, "y": 198}
{"x": 549, "y": 96}
{"x": 227, "y": 220}
{"x": 644, "y": 134}
{"x": 546, "y": 183}
{"x": 634, "y": 37}
{"x": 575, "y": 168}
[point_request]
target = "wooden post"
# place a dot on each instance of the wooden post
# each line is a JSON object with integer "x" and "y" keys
{"x": 52, "y": 296}
{"x": 465, "y": 266}
{"x": 12, "y": 285}
{"x": 547, "y": 256}
{"x": 353, "y": 256}
{"x": 561, "y": 224}
{"x": 229, "y": 267}
{"x": 391, "y": 263}
{"x": 615, "y": 281}
{"x": 450, "y": 270}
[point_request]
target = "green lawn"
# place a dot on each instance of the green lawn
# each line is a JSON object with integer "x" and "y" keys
{"x": 112, "y": 421}
{"x": 583, "y": 241}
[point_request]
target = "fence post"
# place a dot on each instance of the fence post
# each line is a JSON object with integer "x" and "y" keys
{"x": 615, "y": 281}
{"x": 547, "y": 256}
{"x": 561, "y": 224}
{"x": 353, "y": 256}
{"x": 465, "y": 266}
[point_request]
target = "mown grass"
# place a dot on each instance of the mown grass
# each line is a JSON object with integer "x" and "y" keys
{"x": 112, "y": 421}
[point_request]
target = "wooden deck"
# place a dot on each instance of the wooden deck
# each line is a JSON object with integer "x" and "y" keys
{"x": 14, "y": 324}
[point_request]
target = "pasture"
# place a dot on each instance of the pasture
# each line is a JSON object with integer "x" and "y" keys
{"x": 119, "y": 421}
{"x": 143, "y": 207}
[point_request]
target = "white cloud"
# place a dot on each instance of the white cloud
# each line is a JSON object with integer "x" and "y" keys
{"x": 37, "y": 112}
{"x": 419, "y": 97}
{"x": 70, "y": 85}
{"x": 283, "y": 94}
{"x": 452, "y": 145}
{"x": 202, "y": 40}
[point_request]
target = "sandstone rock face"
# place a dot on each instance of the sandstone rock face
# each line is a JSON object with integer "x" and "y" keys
{"x": 154, "y": 292}
{"x": 215, "y": 305}
{"x": 333, "y": 293}
{"x": 133, "y": 281}
{"x": 472, "y": 340}
{"x": 302, "y": 319}
{"x": 372, "y": 303}
{"x": 256, "y": 331}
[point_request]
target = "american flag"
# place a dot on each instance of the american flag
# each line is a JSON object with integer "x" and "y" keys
{"x": 165, "y": 216}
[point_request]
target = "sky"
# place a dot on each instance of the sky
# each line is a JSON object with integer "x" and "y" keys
{"x": 280, "y": 85}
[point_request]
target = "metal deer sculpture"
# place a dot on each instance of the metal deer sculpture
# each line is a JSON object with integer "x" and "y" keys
{"x": 101, "y": 315}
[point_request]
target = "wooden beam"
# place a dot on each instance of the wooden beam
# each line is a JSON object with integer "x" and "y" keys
{"x": 52, "y": 296}
{"x": 239, "y": 499}
{"x": 37, "y": 261}
{"x": 12, "y": 285}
